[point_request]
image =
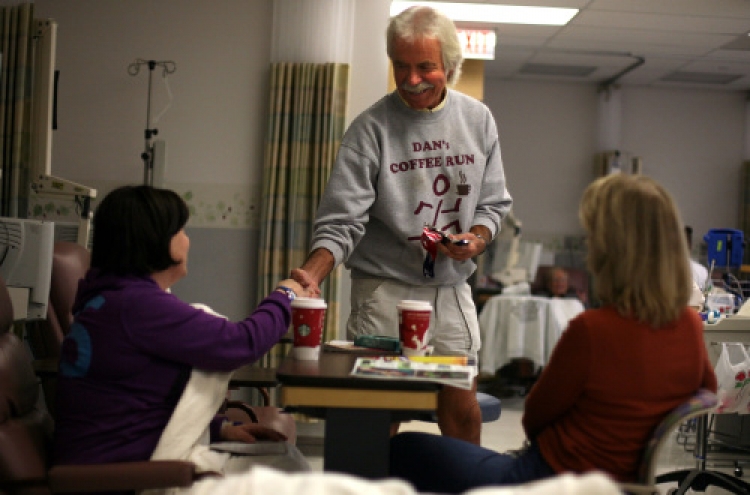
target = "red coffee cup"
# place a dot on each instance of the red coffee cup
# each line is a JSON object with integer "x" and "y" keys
{"x": 308, "y": 315}
{"x": 413, "y": 323}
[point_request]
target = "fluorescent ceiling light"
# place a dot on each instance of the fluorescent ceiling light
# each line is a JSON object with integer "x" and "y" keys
{"x": 492, "y": 13}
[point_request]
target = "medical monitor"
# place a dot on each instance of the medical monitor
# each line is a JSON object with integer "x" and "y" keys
{"x": 519, "y": 257}
{"x": 26, "y": 249}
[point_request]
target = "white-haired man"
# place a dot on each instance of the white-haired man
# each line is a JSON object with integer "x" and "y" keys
{"x": 422, "y": 155}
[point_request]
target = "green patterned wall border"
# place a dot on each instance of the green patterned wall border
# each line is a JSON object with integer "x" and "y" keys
{"x": 211, "y": 205}
{"x": 222, "y": 205}
{"x": 234, "y": 206}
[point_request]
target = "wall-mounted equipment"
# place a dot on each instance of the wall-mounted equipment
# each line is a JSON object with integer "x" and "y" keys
{"x": 42, "y": 182}
{"x": 616, "y": 161}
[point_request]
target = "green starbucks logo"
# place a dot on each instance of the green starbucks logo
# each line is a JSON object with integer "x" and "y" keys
{"x": 304, "y": 330}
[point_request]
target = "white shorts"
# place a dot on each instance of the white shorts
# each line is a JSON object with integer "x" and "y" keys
{"x": 454, "y": 328}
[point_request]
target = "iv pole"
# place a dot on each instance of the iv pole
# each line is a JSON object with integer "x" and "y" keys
{"x": 168, "y": 67}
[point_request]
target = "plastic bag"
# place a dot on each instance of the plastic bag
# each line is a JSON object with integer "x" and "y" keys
{"x": 732, "y": 377}
{"x": 743, "y": 401}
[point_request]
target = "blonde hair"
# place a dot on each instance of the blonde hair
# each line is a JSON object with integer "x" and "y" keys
{"x": 421, "y": 22}
{"x": 637, "y": 252}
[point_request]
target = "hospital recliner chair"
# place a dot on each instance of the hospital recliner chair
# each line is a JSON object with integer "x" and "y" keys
{"x": 702, "y": 403}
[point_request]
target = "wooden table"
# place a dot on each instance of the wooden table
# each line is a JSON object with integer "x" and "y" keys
{"x": 262, "y": 379}
{"x": 254, "y": 376}
{"x": 358, "y": 412}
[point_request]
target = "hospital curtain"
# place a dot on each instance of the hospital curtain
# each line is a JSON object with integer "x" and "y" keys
{"x": 16, "y": 43}
{"x": 306, "y": 122}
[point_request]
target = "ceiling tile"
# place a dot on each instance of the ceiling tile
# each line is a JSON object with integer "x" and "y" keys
{"x": 672, "y": 35}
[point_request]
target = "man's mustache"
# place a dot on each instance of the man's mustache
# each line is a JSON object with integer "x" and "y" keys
{"x": 418, "y": 88}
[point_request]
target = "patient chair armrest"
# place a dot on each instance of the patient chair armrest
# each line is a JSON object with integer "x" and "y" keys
{"x": 121, "y": 476}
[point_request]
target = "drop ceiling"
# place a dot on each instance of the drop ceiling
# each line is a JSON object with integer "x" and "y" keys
{"x": 670, "y": 43}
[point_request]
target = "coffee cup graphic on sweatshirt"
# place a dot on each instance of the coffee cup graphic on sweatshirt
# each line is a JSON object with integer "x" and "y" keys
{"x": 463, "y": 188}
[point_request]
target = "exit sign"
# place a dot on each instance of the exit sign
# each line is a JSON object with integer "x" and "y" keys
{"x": 478, "y": 43}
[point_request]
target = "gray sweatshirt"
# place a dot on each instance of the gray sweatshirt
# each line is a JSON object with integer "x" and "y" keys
{"x": 399, "y": 169}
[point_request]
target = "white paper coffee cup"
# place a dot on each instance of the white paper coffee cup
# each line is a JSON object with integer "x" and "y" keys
{"x": 308, "y": 317}
{"x": 413, "y": 325}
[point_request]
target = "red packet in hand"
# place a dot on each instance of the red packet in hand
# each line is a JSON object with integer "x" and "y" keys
{"x": 430, "y": 240}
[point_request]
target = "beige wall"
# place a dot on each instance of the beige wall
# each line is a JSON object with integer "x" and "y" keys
{"x": 692, "y": 140}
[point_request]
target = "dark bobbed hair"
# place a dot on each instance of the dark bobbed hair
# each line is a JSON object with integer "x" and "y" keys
{"x": 133, "y": 229}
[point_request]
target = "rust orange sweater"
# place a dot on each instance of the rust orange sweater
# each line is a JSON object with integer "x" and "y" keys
{"x": 608, "y": 383}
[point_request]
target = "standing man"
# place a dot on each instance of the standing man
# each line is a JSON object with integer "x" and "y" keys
{"x": 422, "y": 155}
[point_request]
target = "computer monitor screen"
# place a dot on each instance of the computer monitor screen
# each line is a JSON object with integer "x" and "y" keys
{"x": 26, "y": 249}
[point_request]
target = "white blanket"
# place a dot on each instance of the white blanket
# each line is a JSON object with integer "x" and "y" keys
{"x": 264, "y": 481}
{"x": 186, "y": 436}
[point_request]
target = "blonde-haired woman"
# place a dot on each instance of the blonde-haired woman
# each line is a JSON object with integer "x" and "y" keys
{"x": 616, "y": 371}
{"x": 636, "y": 248}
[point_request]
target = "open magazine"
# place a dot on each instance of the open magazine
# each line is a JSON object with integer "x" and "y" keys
{"x": 403, "y": 368}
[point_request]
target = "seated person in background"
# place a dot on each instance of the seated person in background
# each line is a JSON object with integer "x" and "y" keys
{"x": 556, "y": 285}
{"x": 133, "y": 345}
{"x": 615, "y": 372}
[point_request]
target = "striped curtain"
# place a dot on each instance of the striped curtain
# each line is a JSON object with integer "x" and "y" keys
{"x": 16, "y": 46}
{"x": 306, "y": 122}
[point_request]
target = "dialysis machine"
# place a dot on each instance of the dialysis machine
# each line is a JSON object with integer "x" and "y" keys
{"x": 43, "y": 183}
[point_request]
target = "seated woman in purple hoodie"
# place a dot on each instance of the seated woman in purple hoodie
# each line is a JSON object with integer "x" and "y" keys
{"x": 133, "y": 345}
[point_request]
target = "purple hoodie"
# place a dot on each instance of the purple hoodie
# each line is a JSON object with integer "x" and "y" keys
{"x": 127, "y": 359}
